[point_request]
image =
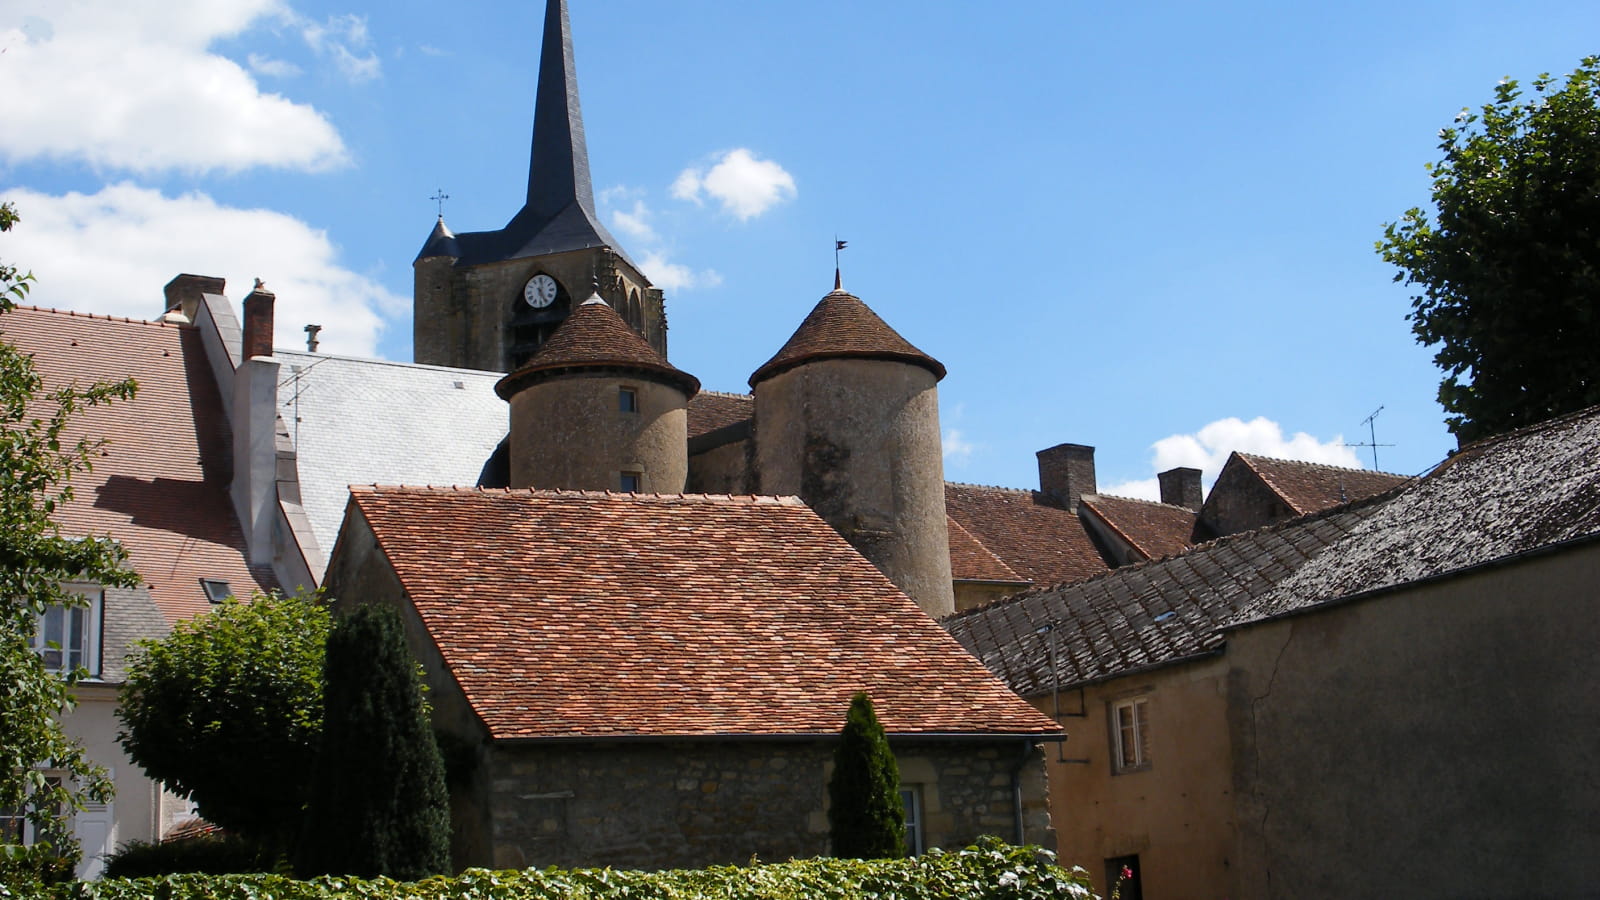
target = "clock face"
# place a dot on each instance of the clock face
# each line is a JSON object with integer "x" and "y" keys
{"x": 540, "y": 291}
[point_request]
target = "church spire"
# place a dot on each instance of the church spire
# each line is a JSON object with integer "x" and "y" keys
{"x": 558, "y": 171}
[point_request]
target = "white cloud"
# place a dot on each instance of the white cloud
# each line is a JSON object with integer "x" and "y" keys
{"x": 635, "y": 222}
{"x": 1208, "y": 448}
{"x": 671, "y": 276}
{"x": 957, "y": 449}
{"x": 133, "y": 86}
{"x": 272, "y": 68}
{"x": 111, "y": 252}
{"x": 345, "y": 40}
{"x": 745, "y": 185}
{"x": 430, "y": 50}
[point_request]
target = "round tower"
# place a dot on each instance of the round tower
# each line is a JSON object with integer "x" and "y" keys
{"x": 596, "y": 408}
{"x": 437, "y": 326}
{"x": 847, "y": 417}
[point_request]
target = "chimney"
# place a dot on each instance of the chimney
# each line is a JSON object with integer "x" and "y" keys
{"x": 1066, "y": 473}
{"x": 183, "y": 295}
{"x": 1181, "y": 487}
{"x": 258, "y": 321}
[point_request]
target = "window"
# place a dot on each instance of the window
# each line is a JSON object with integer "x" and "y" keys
{"x": 627, "y": 400}
{"x": 911, "y": 799}
{"x": 15, "y": 828}
{"x": 69, "y": 636}
{"x": 218, "y": 590}
{"x": 1122, "y": 876}
{"x": 632, "y": 482}
{"x": 1130, "y": 734}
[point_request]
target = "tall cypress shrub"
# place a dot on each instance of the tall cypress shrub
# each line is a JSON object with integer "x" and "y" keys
{"x": 865, "y": 817}
{"x": 378, "y": 803}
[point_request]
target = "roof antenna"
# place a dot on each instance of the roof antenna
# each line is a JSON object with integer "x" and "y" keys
{"x": 1372, "y": 441}
{"x": 311, "y": 337}
{"x": 838, "y": 279}
{"x": 440, "y": 197}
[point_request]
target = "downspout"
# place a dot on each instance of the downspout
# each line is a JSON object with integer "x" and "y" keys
{"x": 1016, "y": 792}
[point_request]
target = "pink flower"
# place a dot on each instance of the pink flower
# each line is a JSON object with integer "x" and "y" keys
{"x": 1127, "y": 873}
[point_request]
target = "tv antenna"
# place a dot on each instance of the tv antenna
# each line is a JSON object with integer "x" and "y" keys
{"x": 1372, "y": 437}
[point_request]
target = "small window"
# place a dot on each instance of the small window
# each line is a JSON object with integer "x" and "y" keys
{"x": 1122, "y": 878}
{"x": 217, "y": 590}
{"x": 911, "y": 799}
{"x": 1130, "y": 734}
{"x": 627, "y": 400}
{"x": 68, "y": 637}
{"x": 632, "y": 482}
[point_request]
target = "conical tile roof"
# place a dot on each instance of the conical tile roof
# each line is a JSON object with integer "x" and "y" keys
{"x": 595, "y": 337}
{"x": 842, "y": 327}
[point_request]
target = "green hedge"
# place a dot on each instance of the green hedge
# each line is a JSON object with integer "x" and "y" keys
{"x": 988, "y": 871}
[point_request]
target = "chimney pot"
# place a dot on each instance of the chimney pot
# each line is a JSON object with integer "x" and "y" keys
{"x": 1181, "y": 487}
{"x": 258, "y": 321}
{"x": 1066, "y": 473}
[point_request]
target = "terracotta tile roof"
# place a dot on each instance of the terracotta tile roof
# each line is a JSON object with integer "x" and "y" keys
{"x": 1154, "y": 529}
{"x": 1496, "y": 498}
{"x": 1042, "y": 543}
{"x": 594, "y": 336}
{"x": 1307, "y": 487}
{"x": 971, "y": 561}
{"x": 1144, "y": 615}
{"x": 160, "y": 486}
{"x": 841, "y": 326}
{"x": 565, "y": 614}
{"x": 711, "y": 410}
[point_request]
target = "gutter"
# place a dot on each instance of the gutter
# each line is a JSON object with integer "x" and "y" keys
{"x": 732, "y": 738}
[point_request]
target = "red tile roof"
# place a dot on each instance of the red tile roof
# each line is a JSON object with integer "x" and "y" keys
{"x": 840, "y": 326}
{"x": 1042, "y": 543}
{"x": 711, "y": 410}
{"x": 1308, "y": 487}
{"x": 565, "y": 614}
{"x": 971, "y": 561}
{"x": 1154, "y": 529}
{"x": 160, "y": 485}
{"x": 594, "y": 336}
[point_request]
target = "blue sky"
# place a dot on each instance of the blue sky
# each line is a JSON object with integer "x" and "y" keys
{"x": 1144, "y": 227}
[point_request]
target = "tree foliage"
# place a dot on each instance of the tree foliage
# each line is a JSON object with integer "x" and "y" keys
{"x": 1509, "y": 267}
{"x": 39, "y": 455}
{"x": 227, "y": 711}
{"x": 865, "y": 817}
{"x": 378, "y": 802}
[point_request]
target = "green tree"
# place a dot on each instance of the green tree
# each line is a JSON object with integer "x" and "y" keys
{"x": 38, "y": 457}
{"x": 227, "y": 711}
{"x": 865, "y": 817}
{"x": 1510, "y": 266}
{"x": 378, "y": 802}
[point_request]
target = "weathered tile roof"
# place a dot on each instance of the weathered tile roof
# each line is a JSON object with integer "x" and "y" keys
{"x": 1496, "y": 498}
{"x": 1144, "y": 615}
{"x": 160, "y": 485}
{"x": 357, "y": 421}
{"x": 840, "y": 326}
{"x": 567, "y": 614}
{"x": 711, "y": 410}
{"x": 971, "y": 561}
{"x": 594, "y": 336}
{"x": 1308, "y": 487}
{"x": 1154, "y": 529}
{"x": 1042, "y": 543}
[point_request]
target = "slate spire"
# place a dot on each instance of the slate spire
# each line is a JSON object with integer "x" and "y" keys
{"x": 558, "y": 171}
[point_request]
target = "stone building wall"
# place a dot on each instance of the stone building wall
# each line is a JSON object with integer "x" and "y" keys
{"x": 1239, "y": 501}
{"x": 569, "y": 433}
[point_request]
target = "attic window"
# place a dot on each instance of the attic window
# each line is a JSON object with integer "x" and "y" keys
{"x": 632, "y": 482}
{"x": 627, "y": 400}
{"x": 217, "y": 590}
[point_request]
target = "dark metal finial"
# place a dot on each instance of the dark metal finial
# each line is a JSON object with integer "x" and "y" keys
{"x": 440, "y": 197}
{"x": 838, "y": 277}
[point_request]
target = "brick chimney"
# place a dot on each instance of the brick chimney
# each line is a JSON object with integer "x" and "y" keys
{"x": 1066, "y": 473}
{"x": 183, "y": 294}
{"x": 258, "y": 321}
{"x": 1181, "y": 487}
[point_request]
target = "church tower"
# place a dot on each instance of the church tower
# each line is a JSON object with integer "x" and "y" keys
{"x": 489, "y": 299}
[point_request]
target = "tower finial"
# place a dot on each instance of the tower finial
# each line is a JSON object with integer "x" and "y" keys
{"x": 838, "y": 277}
{"x": 558, "y": 171}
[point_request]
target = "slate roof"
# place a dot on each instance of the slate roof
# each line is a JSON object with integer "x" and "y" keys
{"x": 1145, "y": 615}
{"x": 1496, "y": 498}
{"x": 840, "y": 326}
{"x": 1154, "y": 529}
{"x": 1042, "y": 543}
{"x": 711, "y": 410}
{"x": 971, "y": 561}
{"x": 356, "y": 421}
{"x": 595, "y": 615}
{"x": 1307, "y": 487}
{"x": 595, "y": 337}
{"x": 160, "y": 486}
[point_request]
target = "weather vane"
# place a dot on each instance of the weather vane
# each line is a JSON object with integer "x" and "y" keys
{"x": 440, "y": 197}
{"x": 838, "y": 279}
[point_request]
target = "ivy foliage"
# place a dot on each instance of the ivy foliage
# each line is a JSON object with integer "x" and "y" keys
{"x": 227, "y": 711}
{"x": 989, "y": 870}
{"x": 40, "y": 452}
{"x": 378, "y": 803}
{"x": 1509, "y": 264}
{"x": 865, "y": 817}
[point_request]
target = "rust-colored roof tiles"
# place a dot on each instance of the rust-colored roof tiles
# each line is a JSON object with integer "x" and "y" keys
{"x": 594, "y": 615}
{"x": 160, "y": 484}
{"x": 1154, "y": 529}
{"x": 971, "y": 561}
{"x": 1042, "y": 543}
{"x": 1308, "y": 487}
{"x": 842, "y": 327}
{"x": 711, "y": 410}
{"x": 595, "y": 337}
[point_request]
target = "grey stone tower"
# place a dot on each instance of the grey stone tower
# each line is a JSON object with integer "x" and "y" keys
{"x": 489, "y": 299}
{"x": 847, "y": 417}
{"x": 597, "y": 408}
